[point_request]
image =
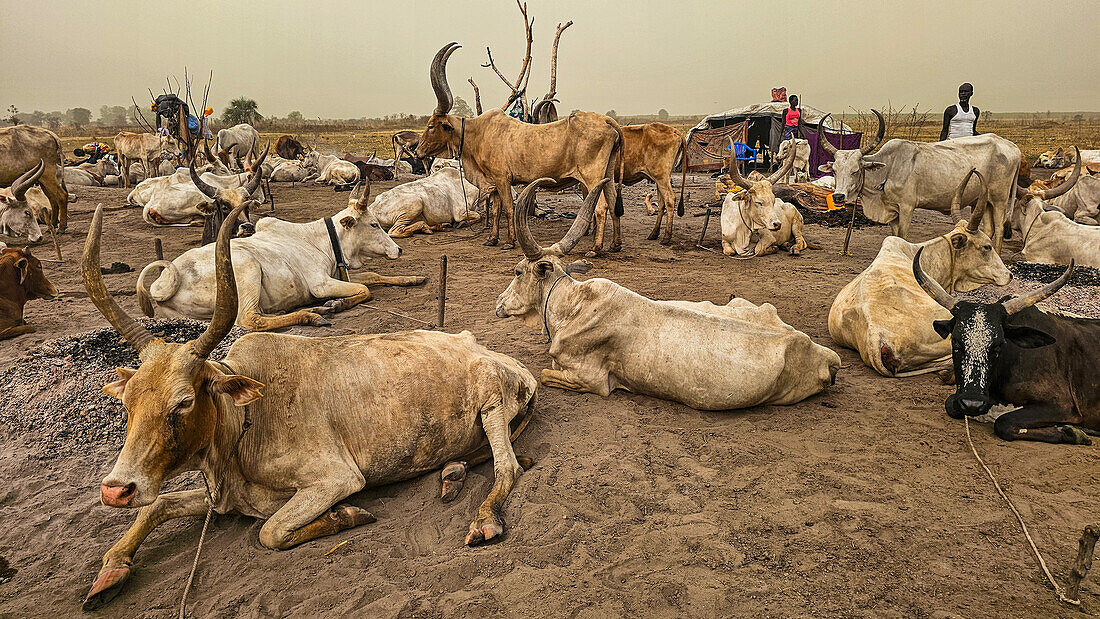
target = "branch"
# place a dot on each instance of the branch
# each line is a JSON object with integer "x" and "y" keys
{"x": 477, "y": 95}
{"x": 554, "y": 62}
{"x": 518, "y": 87}
{"x": 492, "y": 65}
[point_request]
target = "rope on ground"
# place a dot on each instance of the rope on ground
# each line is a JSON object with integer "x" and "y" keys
{"x": 198, "y": 551}
{"x": 423, "y": 322}
{"x": 1046, "y": 572}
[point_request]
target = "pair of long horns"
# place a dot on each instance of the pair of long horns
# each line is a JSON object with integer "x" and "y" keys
{"x": 823, "y": 143}
{"x": 225, "y": 302}
{"x": 1061, "y": 188}
{"x": 526, "y": 203}
{"x": 438, "y": 75}
{"x": 735, "y": 169}
{"x": 979, "y": 206}
{"x": 27, "y": 180}
{"x": 1012, "y": 306}
{"x": 251, "y": 186}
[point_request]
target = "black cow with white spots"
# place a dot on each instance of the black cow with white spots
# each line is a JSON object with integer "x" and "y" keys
{"x": 1011, "y": 352}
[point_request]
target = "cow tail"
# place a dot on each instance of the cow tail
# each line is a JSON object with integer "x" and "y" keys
{"x": 619, "y": 210}
{"x": 144, "y": 297}
{"x": 683, "y": 174}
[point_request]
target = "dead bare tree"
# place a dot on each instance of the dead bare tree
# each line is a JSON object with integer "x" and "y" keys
{"x": 545, "y": 111}
{"x": 477, "y": 95}
{"x": 519, "y": 87}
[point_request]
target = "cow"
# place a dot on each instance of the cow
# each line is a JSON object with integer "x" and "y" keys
{"x": 289, "y": 148}
{"x": 287, "y": 427}
{"x": 183, "y": 198}
{"x": 18, "y": 208}
{"x": 427, "y": 204}
{"x": 289, "y": 171}
{"x": 405, "y": 144}
{"x": 604, "y": 336}
{"x": 371, "y": 169}
{"x": 21, "y": 148}
{"x": 283, "y": 266}
{"x": 884, "y": 315}
{"x": 235, "y": 143}
{"x": 801, "y": 152}
{"x": 1063, "y": 157}
{"x": 21, "y": 279}
{"x": 499, "y": 151}
{"x": 90, "y": 174}
{"x": 757, "y": 210}
{"x": 330, "y": 169}
{"x": 1011, "y": 352}
{"x": 651, "y": 152}
{"x": 905, "y": 175}
{"x": 1049, "y": 237}
{"x": 144, "y": 147}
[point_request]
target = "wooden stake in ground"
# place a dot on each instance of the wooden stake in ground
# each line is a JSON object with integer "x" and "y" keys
{"x": 703, "y": 233}
{"x": 442, "y": 291}
{"x": 158, "y": 248}
{"x": 1085, "y": 547}
{"x": 848, "y": 237}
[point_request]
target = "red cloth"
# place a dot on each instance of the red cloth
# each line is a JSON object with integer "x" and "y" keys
{"x": 792, "y": 117}
{"x": 779, "y": 94}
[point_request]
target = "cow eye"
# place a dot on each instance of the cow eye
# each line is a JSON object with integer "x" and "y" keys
{"x": 988, "y": 248}
{"x": 373, "y": 225}
{"x": 27, "y": 213}
{"x": 519, "y": 272}
{"x": 183, "y": 404}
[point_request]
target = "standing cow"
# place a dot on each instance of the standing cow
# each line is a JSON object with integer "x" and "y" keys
{"x": 144, "y": 147}
{"x": 22, "y": 148}
{"x": 651, "y": 152}
{"x": 800, "y": 149}
{"x": 236, "y": 143}
{"x": 289, "y": 148}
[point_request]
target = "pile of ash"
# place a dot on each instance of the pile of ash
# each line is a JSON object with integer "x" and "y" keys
{"x": 1046, "y": 273}
{"x": 54, "y": 394}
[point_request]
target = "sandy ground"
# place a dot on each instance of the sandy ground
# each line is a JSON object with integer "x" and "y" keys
{"x": 864, "y": 501}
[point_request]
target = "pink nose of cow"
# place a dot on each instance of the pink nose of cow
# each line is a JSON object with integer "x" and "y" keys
{"x": 117, "y": 496}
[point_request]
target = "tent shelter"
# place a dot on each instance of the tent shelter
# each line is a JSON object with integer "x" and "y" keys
{"x": 761, "y": 127}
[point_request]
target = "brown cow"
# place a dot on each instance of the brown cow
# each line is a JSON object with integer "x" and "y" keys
{"x": 499, "y": 151}
{"x": 652, "y": 151}
{"x": 337, "y": 414}
{"x": 289, "y": 148}
{"x": 143, "y": 147}
{"x": 21, "y": 279}
{"x": 21, "y": 148}
{"x": 404, "y": 148}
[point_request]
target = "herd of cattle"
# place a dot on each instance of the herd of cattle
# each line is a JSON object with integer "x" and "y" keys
{"x": 269, "y": 425}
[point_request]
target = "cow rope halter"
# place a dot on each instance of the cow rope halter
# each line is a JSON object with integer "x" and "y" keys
{"x": 461, "y": 171}
{"x": 546, "y": 307}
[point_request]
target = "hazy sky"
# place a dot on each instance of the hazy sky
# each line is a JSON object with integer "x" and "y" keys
{"x": 343, "y": 59}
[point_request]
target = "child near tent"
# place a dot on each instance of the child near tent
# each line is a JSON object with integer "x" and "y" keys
{"x": 791, "y": 118}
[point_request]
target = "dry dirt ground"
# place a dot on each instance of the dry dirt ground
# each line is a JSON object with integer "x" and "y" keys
{"x": 864, "y": 501}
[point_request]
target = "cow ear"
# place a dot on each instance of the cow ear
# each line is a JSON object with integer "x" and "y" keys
{"x": 958, "y": 241}
{"x": 242, "y": 389}
{"x": 873, "y": 165}
{"x": 23, "y": 267}
{"x": 117, "y": 388}
{"x": 543, "y": 268}
{"x": 943, "y": 327}
{"x": 826, "y": 167}
{"x": 578, "y": 266}
{"x": 1027, "y": 337}
{"x": 348, "y": 222}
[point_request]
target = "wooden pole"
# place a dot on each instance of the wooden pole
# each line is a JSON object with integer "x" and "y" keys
{"x": 158, "y": 248}
{"x": 1085, "y": 547}
{"x": 848, "y": 236}
{"x": 703, "y": 233}
{"x": 442, "y": 291}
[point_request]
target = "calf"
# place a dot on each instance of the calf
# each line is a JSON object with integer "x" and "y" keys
{"x": 143, "y": 147}
{"x": 1011, "y": 352}
{"x": 21, "y": 279}
{"x": 800, "y": 149}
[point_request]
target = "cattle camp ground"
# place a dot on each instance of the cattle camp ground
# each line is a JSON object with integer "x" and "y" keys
{"x": 862, "y": 497}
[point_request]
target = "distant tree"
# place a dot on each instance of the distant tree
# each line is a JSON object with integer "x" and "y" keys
{"x": 662, "y": 114}
{"x": 241, "y": 110}
{"x": 37, "y": 117}
{"x": 613, "y": 114}
{"x": 112, "y": 115}
{"x": 461, "y": 108}
{"x": 295, "y": 117}
{"x": 79, "y": 117}
{"x": 13, "y": 115}
{"x": 54, "y": 119}
{"x": 133, "y": 113}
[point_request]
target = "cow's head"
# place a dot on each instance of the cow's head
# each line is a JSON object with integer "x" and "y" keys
{"x": 216, "y": 165}
{"x": 1035, "y": 198}
{"x": 979, "y": 332}
{"x": 17, "y": 218}
{"x": 443, "y": 135}
{"x": 758, "y": 198}
{"x": 789, "y": 146}
{"x": 540, "y": 268}
{"x": 172, "y": 399}
{"x": 312, "y": 160}
{"x": 25, "y": 272}
{"x": 972, "y": 261}
{"x": 362, "y": 237}
{"x": 849, "y": 166}
{"x": 227, "y": 199}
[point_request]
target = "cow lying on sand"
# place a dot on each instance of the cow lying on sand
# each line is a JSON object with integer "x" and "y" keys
{"x": 755, "y": 211}
{"x": 282, "y": 267}
{"x": 21, "y": 279}
{"x": 286, "y": 427}
{"x": 1012, "y": 352}
{"x": 604, "y": 336}
{"x": 1049, "y": 236}
{"x": 426, "y": 204}
{"x": 884, "y": 314}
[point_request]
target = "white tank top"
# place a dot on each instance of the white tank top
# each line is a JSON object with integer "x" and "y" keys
{"x": 962, "y": 124}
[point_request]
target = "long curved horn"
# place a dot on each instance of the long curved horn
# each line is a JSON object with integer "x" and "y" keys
{"x": 735, "y": 169}
{"x": 783, "y": 172}
{"x": 879, "y": 137}
{"x": 257, "y": 172}
{"x": 956, "y": 201}
{"x": 524, "y": 205}
{"x": 821, "y": 141}
{"x": 1065, "y": 185}
{"x": 225, "y": 299}
{"x": 362, "y": 193}
{"x": 27, "y": 180}
{"x": 584, "y": 218}
{"x": 207, "y": 190}
{"x": 931, "y": 286}
{"x": 979, "y": 206}
{"x": 438, "y": 76}
{"x": 137, "y": 335}
{"x": 1021, "y": 303}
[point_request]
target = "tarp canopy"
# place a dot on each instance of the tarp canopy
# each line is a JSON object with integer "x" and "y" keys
{"x": 759, "y": 124}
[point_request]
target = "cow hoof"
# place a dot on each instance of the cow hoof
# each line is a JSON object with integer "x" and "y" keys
{"x": 795, "y": 252}
{"x": 454, "y": 476}
{"x": 525, "y": 463}
{"x": 333, "y": 305}
{"x": 592, "y": 253}
{"x": 481, "y": 532}
{"x": 351, "y": 516}
{"x": 652, "y": 235}
{"x": 106, "y": 586}
{"x": 616, "y": 247}
{"x": 1074, "y": 435}
{"x": 507, "y": 246}
{"x": 491, "y": 242}
{"x": 666, "y": 242}
{"x": 318, "y": 320}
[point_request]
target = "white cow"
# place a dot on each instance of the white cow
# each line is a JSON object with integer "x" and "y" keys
{"x": 90, "y": 174}
{"x": 801, "y": 169}
{"x": 18, "y": 205}
{"x": 427, "y": 204}
{"x": 1049, "y": 236}
{"x": 330, "y": 169}
{"x": 236, "y": 143}
{"x": 282, "y": 267}
{"x": 175, "y": 200}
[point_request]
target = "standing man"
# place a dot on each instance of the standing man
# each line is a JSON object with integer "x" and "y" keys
{"x": 960, "y": 120}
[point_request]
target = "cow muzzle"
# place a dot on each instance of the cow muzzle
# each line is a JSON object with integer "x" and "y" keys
{"x": 959, "y": 406}
{"x": 117, "y": 495}
{"x": 839, "y": 197}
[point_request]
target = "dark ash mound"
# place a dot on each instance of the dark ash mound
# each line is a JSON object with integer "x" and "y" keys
{"x": 1046, "y": 273}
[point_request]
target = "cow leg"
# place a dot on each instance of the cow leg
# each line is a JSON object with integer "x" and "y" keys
{"x": 601, "y": 220}
{"x": 1040, "y": 422}
{"x": 249, "y": 316}
{"x": 656, "y": 232}
{"x": 494, "y": 234}
{"x": 402, "y": 228}
{"x": 59, "y": 201}
{"x": 370, "y": 278}
{"x": 494, "y": 419}
{"x": 566, "y": 379}
{"x": 510, "y": 216}
{"x": 16, "y": 331}
{"x": 668, "y": 205}
{"x": 905, "y": 217}
{"x": 799, "y": 240}
{"x": 766, "y": 244}
{"x": 342, "y": 295}
{"x": 312, "y": 512}
{"x": 117, "y": 561}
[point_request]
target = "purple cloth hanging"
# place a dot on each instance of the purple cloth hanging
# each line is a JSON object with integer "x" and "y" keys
{"x": 819, "y": 156}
